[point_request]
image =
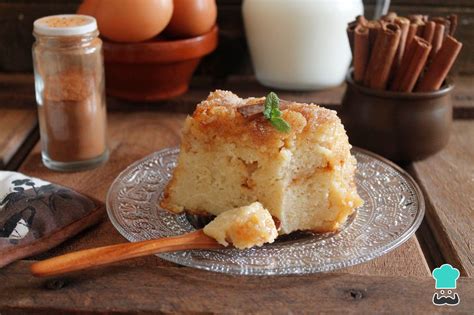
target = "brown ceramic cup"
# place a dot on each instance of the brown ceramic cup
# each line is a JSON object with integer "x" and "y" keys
{"x": 399, "y": 126}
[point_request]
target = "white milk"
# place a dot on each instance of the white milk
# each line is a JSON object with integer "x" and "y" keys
{"x": 299, "y": 44}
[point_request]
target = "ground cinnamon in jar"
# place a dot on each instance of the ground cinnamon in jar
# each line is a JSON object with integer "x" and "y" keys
{"x": 73, "y": 117}
{"x": 69, "y": 83}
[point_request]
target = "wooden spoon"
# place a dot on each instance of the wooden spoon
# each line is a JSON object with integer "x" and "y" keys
{"x": 109, "y": 254}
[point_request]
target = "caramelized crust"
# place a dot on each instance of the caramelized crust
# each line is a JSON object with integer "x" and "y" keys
{"x": 220, "y": 114}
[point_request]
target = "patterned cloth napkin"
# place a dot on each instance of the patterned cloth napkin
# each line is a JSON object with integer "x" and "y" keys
{"x": 36, "y": 215}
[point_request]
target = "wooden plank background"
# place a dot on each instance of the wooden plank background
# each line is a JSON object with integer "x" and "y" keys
{"x": 18, "y": 124}
{"x": 155, "y": 290}
{"x": 447, "y": 180}
{"x": 231, "y": 57}
{"x": 16, "y": 127}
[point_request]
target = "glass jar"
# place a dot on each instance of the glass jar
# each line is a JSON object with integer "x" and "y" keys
{"x": 69, "y": 84}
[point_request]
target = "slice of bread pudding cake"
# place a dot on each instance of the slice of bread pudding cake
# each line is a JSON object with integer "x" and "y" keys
{"x": 231, "y": 156}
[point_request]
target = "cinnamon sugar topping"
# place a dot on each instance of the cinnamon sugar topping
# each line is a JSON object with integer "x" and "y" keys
{"x": 71, "y": 21}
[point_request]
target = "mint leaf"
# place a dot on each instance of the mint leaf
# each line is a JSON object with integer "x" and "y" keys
{"x": 273, "y": 114}
{"x": 271, "y": 102}
{"x": 280, "y": 124}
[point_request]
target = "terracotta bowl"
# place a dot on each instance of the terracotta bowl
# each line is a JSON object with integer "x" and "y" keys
{"x": 154, "y": 70}
{"x": 399, "y": 126}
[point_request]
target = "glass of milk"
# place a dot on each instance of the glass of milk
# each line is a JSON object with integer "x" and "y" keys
{"x": 299, "y": 44}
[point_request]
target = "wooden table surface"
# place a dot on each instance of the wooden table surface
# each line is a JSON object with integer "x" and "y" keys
{"x": 399, "y": 281}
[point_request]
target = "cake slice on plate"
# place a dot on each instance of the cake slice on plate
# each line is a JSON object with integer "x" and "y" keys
{"x": 232, "y": 155}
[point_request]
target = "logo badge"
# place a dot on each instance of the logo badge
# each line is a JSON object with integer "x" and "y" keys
{"x": 445, "y": 283}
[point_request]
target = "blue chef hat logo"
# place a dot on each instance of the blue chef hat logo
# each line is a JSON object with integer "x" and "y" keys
{"x": 446, "y": 277}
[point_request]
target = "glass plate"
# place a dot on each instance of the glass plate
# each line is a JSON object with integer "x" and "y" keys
{"x": 393, "y": 210}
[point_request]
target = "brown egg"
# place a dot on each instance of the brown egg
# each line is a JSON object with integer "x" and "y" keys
{"x": 192, "y": 18}
{"x": 88, "y": 7}
{"x": 132, "y": 20}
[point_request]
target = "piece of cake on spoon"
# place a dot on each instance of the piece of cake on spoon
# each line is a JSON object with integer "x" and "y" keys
{"x": 243, "y": 227}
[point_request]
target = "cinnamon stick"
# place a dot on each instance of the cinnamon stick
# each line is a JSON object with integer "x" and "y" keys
{"x": 257, "y": 107}
{"x": 404, "y": 25}
{"x": 350, "y": 34}
{"x": 429, "y": 31}
{"x": 414, "y": 62}
{"x": 389, "y": 17}
{"x": 440, "y": 65}
{"x": 382, "y": 55}
{"x": 361, "y": 52}
{"x": 374, "y": 28}
{"x": 419, "y": 21}
{"x": 420, "y": 31}
{"x": 437, "y": 39}
{"x": 443, "y": 21}
{"x": 453, "y": 19}
{"x": 415, "y": 18}
{"x": 360, "y": 20}
{"x": 412, "y": 30}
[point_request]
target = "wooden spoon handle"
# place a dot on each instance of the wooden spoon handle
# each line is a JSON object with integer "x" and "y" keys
{"x": 109, "y": 254}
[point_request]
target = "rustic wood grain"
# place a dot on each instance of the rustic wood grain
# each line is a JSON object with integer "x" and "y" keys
{"x": 133, "y": 135}
{"x": 16, "y": 27}
{"x": 184, "y": 290}
{"x": 406, "y": 260}
{"x": 17, "y": 91}
{"x": 16, "y": 125}
{"x": 430, "y": 248}
{"x": 447, "y": 180}
{"x": 463, "y": 97}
